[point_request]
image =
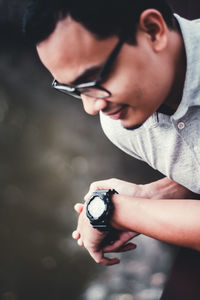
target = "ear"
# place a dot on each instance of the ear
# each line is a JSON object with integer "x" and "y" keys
{"x": 153, "y": 25}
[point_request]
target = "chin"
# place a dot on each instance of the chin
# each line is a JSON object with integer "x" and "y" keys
{"x": 132, "y": 127}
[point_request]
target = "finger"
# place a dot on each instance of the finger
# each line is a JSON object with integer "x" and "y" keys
{"x": 76, "y": 235}
{"x": 106, "y": 261}
{"x": 98, "y": 185}
{"x": 122, "y": 239}
{"x": 113, "y": 246}
{"x": 124, "y": 248}
{"x": 80, "y": 242}
{"x": 127, "y": 247}
{"x": 78, "y": 207}
{"x": 88, "y": 195}
{"x": 109, "y": 261}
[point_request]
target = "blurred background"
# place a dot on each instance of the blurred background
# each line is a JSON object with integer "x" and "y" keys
{"x": 50, "y": 151}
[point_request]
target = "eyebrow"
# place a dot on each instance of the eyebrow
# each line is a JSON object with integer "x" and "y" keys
{"x": 86, "y": 75}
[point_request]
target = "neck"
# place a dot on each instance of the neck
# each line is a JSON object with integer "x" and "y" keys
{"x": 174, "y": 98}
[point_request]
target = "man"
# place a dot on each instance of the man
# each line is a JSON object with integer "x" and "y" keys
{"x": 136, "y": 64}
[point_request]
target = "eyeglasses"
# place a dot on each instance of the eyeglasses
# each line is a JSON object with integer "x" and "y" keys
{"x": 92, "y": 88}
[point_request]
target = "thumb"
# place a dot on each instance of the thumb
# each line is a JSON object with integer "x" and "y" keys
{"x": 78, "y": 207}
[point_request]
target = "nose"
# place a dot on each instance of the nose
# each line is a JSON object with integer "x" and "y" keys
{"x": 92, "y": 106}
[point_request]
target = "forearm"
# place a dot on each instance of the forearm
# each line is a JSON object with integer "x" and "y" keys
{"x": 166, "y": 188}
{"x": 176, "y": 221}
{"x": 160, "y": 189}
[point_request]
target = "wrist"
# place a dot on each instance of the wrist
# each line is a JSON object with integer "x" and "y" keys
{"x": 120, "y": 216}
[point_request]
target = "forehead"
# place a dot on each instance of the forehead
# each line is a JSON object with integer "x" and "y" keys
{"x": 71, "y": 49}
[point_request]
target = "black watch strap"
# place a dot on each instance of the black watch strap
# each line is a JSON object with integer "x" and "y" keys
{"x": 104, "y": 193}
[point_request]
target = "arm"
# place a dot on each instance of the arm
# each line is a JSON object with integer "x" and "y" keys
{"x": 176, "y": 221}
{"x": 164, "y": 188}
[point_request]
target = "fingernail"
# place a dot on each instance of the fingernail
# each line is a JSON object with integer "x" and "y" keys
{"x": 75, "y": 234}
{"x": 80, "y": 242}
{"x": 75, "y": 206}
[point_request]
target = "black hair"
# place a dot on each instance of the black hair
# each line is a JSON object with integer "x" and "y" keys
{"x": 103, "y": 18}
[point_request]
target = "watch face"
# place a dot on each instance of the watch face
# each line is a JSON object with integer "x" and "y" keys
{"x": 96, "y": 207}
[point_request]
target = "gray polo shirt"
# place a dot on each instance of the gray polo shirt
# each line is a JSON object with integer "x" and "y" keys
{"x": 170, "y": 144}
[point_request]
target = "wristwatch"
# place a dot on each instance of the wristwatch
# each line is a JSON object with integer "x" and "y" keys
{"x": 100, "y": 209}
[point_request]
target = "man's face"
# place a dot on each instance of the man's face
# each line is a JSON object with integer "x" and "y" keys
{"x": 139, "y": 81}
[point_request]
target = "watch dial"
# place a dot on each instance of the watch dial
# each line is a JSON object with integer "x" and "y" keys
{"x": 96, "y": 207}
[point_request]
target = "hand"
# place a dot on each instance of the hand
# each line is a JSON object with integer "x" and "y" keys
{"x": 92, "y": 239}
{"x": 122, "y": 187}
{"x": 164, "y": 188}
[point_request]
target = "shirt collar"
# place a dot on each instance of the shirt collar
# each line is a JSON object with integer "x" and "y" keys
{"x": 191, "y": 93}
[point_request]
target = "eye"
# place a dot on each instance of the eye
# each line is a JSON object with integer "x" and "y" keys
{"x": 88, "y": 75}
{"x": 92, "y": 77}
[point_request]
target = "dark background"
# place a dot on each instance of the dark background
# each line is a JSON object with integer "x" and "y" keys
{"x": 50, "y": 151}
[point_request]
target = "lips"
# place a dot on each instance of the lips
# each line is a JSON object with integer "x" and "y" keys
{"x": 116, "y": 114}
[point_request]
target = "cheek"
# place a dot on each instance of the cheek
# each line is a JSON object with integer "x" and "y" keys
{"x": 128, "y": 89}
{"x": 139, "y": 82}
{"x": 123, "y": 84}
